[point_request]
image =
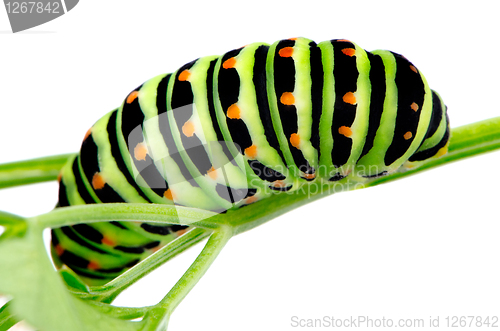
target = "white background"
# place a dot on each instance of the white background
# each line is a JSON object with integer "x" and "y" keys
{"x": 424, "y": 246}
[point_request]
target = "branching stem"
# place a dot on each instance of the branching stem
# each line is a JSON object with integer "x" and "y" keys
{"x": 466, "y": 141}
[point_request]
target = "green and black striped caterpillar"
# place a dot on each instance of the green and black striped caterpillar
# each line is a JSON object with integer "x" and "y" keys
{"x": 223, "y": 132}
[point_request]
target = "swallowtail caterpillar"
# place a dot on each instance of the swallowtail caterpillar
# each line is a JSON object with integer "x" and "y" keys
{"x": 223, "y": 132}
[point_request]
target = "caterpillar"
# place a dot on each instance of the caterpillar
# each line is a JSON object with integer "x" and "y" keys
{"x": 223, "y": 132}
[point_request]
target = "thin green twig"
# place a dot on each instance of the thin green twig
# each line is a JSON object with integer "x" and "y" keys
{"x": 126, "y": 313}
{"x": 466, "y": 141}
{"x": 128, "y": 212}
{"x": 213, "y": 247}
{"x": 108, "y": 292}
{"x": 31, "y": 171}
{"x": 158, "y": 316}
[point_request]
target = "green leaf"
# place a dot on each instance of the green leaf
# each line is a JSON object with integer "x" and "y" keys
{"x": 40, "y": 295}
{"x": 7, "y": 319}
{"x": 15, "y": 226}
{"x": 72, "y": 280}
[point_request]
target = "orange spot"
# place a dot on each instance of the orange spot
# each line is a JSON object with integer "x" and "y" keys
{"x": 188, "y": 129}
{"x": 87, "y": 134}
{"x": 140, "y": 152}
{"x": 287, "y": 98}
{"x": 295, "y": 140}
{"x": 349, "y": 51}
{"x": 251, "y": 199}
{"x": 132, "y": 96}
{"x": 184, "y": 75}
{"x": 108, "y": 241}
{"x": 292, "y": 38}
{"x": 59, "y": 250}
{"x": 408, "y": 135}
{"x": 412, "y": 67}
{"x": 212, "y": 173}
{"x": 181, "y": 232}
{"x": 309, "y": 176}
{"x": 169, "y": 194}
{"x": 251, "y": 151}
{"x": 279, "y": 183}
{"x": 229, "y": 63}
{"x": 442, "y": 151}
{"x": 97, "y": 181}
{"x": 349, "y": 98}
{"x": 93, "y": 265}
{"x": 233, "y": 112}
{"x": 414, "y": 106}
{"x": 59, "y": 177}
{"x": 409, "y": 165}
{"x": 344, "y": 40}
{"x": 286, "y": 52}
{"x": 345, "y": 130}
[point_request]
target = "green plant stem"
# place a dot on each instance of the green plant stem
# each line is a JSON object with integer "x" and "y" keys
{"x": 157, "y": 318}
{"x": 466, "y": 141}
{"x": 128, "y": 212}
{"x": 31, "y": 171}
{"x": 108, "y": 292}
{"x": 126, "y": 313}
{"x": 213, "y": 247}
{"x": 10, "y": 219}
{"x": 12, "y": 223}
